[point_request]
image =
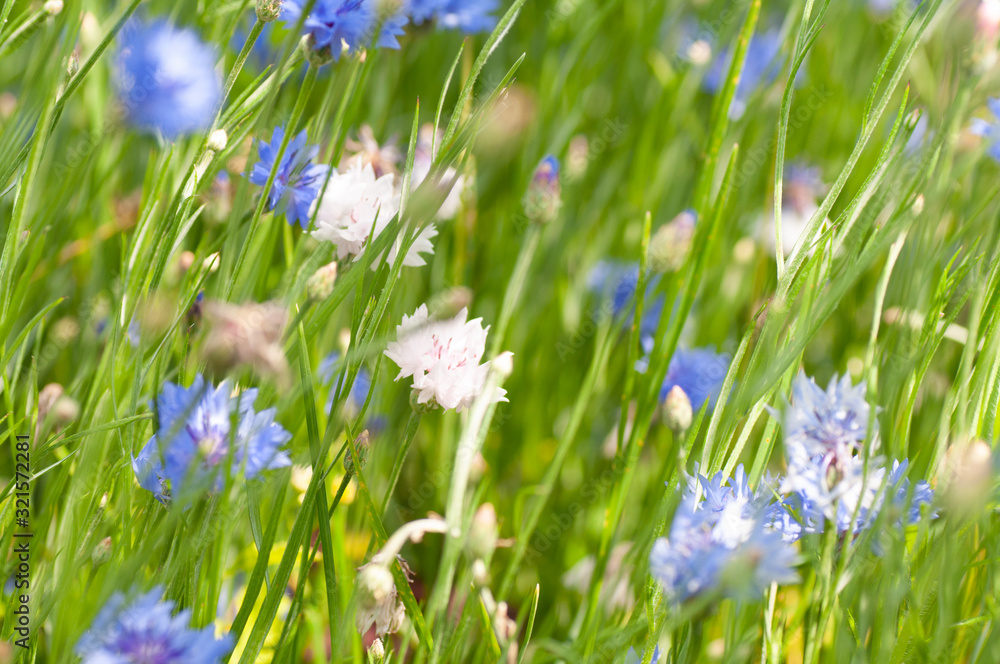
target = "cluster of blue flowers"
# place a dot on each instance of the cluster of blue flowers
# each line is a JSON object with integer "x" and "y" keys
{"x": 337, "y": 25}
{"x": 297, "y": 180}
{"x": 729, "y": 539}
{"x": 202, "y": 430}
{"x": 721, "y": 540}
{"x": 168, "y": 83}
{"x": 147, "y": 632}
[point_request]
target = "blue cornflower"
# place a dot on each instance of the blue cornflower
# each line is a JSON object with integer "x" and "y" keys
{"x": 761, "y": 67}
{"x": 990, "y": 130}
{"x": 147, "y": 632}
{"x": 469, "y": 16}
{"x": 167, "y": 79}
{"x": 828, "y": 478}
{"x": 722, "y": 539}
{"x": 830, "y": 422}
{"x": 700, "y": 372}
{"x": 297, "y": 182}
{"x": 333, "y": 23}
{"x": 194, "y": 436}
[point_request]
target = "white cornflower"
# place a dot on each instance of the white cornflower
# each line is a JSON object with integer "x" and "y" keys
{"x": 356, "y": 208}
{"x": 443, "y": 357}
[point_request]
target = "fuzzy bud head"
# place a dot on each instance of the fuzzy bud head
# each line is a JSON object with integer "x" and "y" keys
{"x": 543, "y": 198}
{"x": 321, "y": 283}
{"x": 217, "y": 140}
{"x": 376, "y": 651}
{"x": 676, "y": 410}
{"x": 967, "y": 476}
{"x": 362, "y": 444}
{"x": 670, "y": 245}
{"x": 483, "y": 533}
{"x": 102, "y": 552}
{"x": 268, "y": 10}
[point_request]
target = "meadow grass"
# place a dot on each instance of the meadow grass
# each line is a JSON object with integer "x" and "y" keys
{"x": 120, "y": 246}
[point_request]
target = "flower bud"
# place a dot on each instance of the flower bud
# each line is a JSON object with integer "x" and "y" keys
{"x": 542, "y": 200}
{"x": 700, "y": 52}
{"x": 578, "y": 157}
{"x": 480, "y": 575}
{"x": 102, "y": 552}
{"x": 53, "y": 7}
{"x": 503, "y": 364}
{"x": 676, "y": 411}
{"x": 670, "y": 245}
{"x": 316, "y": 57}
{"x": 421, "y": 408}
{"x": 448, "y": 303}
{"x": 376, "y": 651}
{"x": 217, "y": 140}
{"x": 967, "y": 475}
{"x": 320, "y": 284}
{"x": 362, "y": 445}
{"x": 268, "y": 10}
{"x": 483, "y": 534}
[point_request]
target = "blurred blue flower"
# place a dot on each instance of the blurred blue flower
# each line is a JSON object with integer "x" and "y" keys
{"x": 700, "y": 372}
{"x": 147, "y": 632}
{"x": 618, "y": 281}
{"x": 328, "y": 370}
{"x": 194, "y": 436}
{"x": 722, "y": 539}
{"x": 297, "y": 182}
{"x": 167, "y": 79}
{"x": 919, "y": 137}
{"x": 332, "y": 23}
{"x": 469, "y": 16}
{"x": 635, "y": 658}
{"x": 762, "y": 66}
{"x": 990, "y": 130}
{"x": 899, "y": 489}
{"x": 884, "y": 7}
